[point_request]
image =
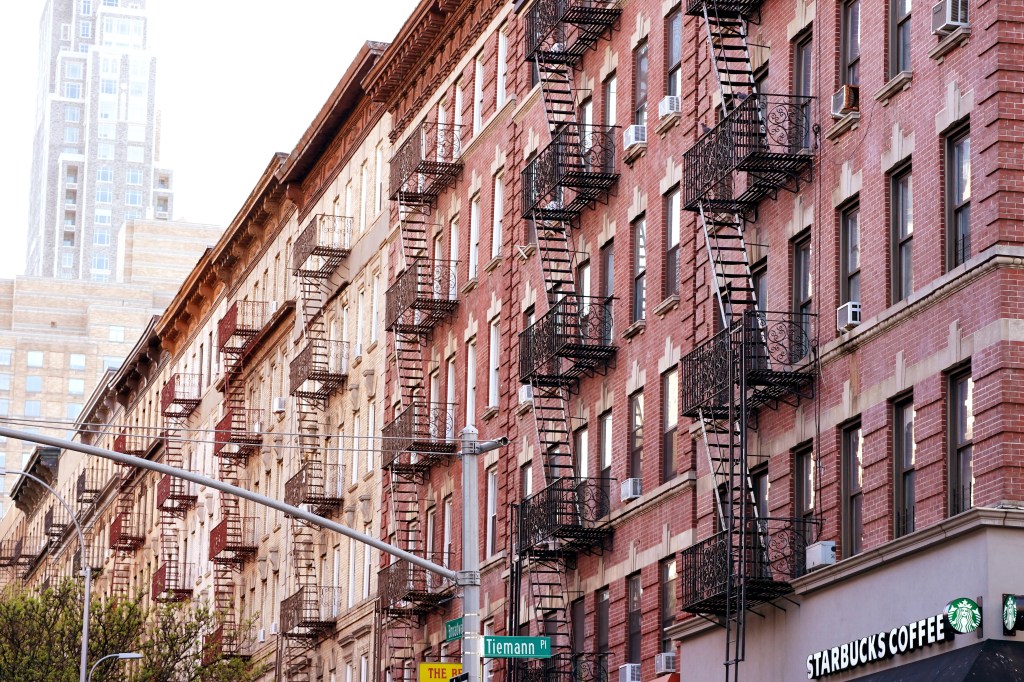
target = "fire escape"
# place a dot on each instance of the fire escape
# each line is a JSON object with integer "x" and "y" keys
{"x": 315, "y": 374}
{"x": 172, "y": 580}
{"x": 421, "y": 432}
{"x": 761, "y": 145}
{"x": 238, "y": 435}
{"x": 571, "y": 341}
{"x": 127, "y": 534}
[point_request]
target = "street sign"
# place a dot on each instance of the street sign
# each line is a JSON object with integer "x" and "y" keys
{"x": 464, "y": 677}
{"x": 452, "y": 630}
{"x": 439, "y": 672}
{"x": 517, "y": 647}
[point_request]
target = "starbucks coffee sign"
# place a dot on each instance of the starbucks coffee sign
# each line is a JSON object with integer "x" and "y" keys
{"x": 960, "y": 616}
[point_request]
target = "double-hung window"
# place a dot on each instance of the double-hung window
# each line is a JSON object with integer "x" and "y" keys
{"x": 958, "y": 191}
{"x": 902, "y": 235}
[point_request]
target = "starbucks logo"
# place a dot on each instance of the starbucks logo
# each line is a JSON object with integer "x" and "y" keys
{"x": 964, "y": 615}
{"x": 1010, "y": 613}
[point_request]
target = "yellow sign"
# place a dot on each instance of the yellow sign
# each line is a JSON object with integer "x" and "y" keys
{"x": 439, "y": 672}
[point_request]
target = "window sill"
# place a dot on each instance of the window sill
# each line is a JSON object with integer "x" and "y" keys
{"x": 524, "y": 407}
{"x": 489, "y": 414}
{"x": 950, "y": 43}
{"x": 357, "y": 360}
{"x": 847, "y": 122}
{"x": 896, "y": 84}
{"x": 666, "y": 122}
{"x": 495, "y": 262}
{"x": 634, "y": 153}
{"x": 668, "y": 304}
{"x": 469, "y": 286}
{"x": 634, "y": 329}
{"x": 371, "y": 347}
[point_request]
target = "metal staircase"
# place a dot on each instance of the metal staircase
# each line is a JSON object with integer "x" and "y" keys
{"x": 760, "y": 145}
{"x": 126, "y": 534}
{"x": 570, "y": 341}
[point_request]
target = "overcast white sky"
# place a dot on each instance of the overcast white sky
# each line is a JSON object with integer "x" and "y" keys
{"x": 237, "y": 80}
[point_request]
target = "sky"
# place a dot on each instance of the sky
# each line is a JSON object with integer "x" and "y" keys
{"x": 237, "y": 81}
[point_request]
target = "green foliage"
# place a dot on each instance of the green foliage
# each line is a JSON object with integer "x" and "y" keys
{"x": 40, "y": 639}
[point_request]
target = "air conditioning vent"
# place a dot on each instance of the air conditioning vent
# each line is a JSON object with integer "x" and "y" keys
{"x": 629, "y": 672}
{"x": 279, "y": 405}
{"x": 525, "y": 393}
{"x": 848, "y": 316}
{"x": 669, "y": 105}
{"x": 948, "y": 16}
{"x": 634, "y": 136}
{"x": 665, "y": 663}
{"x": 632, "y": 488}
{"x": 845, "y": 100}
{"x": 820, "y": 554}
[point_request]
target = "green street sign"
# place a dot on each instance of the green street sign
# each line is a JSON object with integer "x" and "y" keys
{"x": 517, "y": 647}
{"x": 452, "y": 630}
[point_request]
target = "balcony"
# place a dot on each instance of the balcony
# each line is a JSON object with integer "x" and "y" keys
{"x": 89, "y": 486}
{"x": 235, "y": 539}
{"x": 225, "y": 641}
{"x": 426, "y": 163}
{"x": 55, "y": 522}
{"x": 771, "y": 554}
{"x": 311, "y": 611}
{"x": 11, "y": 551}
{"x": 239, "y": 434}
{"x": 181, "y": 395}
{"x": 173, "y": 582}
{"x": 175, "y": 495}
{"x": 768, "y": 137}
{"x": 422, "y": 295}
{"x": 126, "y": 532}
{"x": 418, "y": 436}
{"x": 318, "y": 485}
{"x": 561, "y": 31}
{"x": 574, "y": 339}
{"x": 129, "y": 445}
{"x": 573, "y": 172}
{"x": 243, "y": 321}
{"x": 775, "y": 356}
{"x": 320, "y": 248}
{"x": 724, "y": 8}
{"x": 569, "y": 510}
{"x": 563, "y": 667}
{"x": 406, "y": 589}
{"x": 319, "y": 369}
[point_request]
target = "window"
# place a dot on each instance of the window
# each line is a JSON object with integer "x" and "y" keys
{"x": 606, "y": 458}
{"x": 958, "y": 191}
{"x": 378, "y": 179}
{"x": 636, "y": 434}
{"x": 759, "y": 277}
{"x": 902, "y": 236}
{"x": 961, "y": 440}
{"x": 493, "y": 365}
{"x": 72, "y": 114}
{"x": 134, "y": 176}
{"x": 639, "y": 297}
{"x": 106, "y": 131}
{"x": 34, "y": 358}
{"x": 105, "y": 151}
{"x": 73, "y": 70}
{"x": 101, "y": 262}
{"x": 803, "y": 485}
{"x": 499, "y": 215}
{"x": 76, "y": 386}
{"x": 581, "y": 449}
{"x": 577, "y": 614}
{"x": 5, "y": 382}
{"x": 492, "y": 511}
{"x": 73, "y": 90}
{"x": 446, "y": 532}
{"x": 33, "y": 383}
{"x": 671, "y": 274}
{"x": 802, "y": 71}
{"x": 71, "y": 134}
{"x": 478, "y": 95}
{"x": 72, "y": 410}
{"x": 105, "y": 174}
{"x": 375, "y": 308}
{"x": 360, "y": 315}
{"x": 634, "y": 617}
{"x": 852, "y": 490}
{"x": 362, "y": 196}
{"x": 104, "y": 195}
{"x": 849, "y": 43}
{"x": 526, "y": 480}
{"x": 115, "y": 333}
{"x": 669, "y": 422}
{"x": 583, "y": 284}
{"x": 849, "y": 259}
{"x": 606, "y": 290}
{"x": 611, "y": 86}
{"x": 667, "y": 572}
{"x": 601, "y": 620}
{"x": 640, "y": 62}
{"x": 136, "y": 154}
{"x": 108, "y": 86}
{"x": 101, "y": 237}
{"x": 5, "y": 407}
{"x": 85, "y": 29}
{"x": 76, "y": 361}
{"x": 86, "y": 7}
{"x": 111, "y": 362}
{"x": 802, "y": 287}
{"x": 899, "y": 18}
{"x": 674, "y": 53}
{"x": 502, "y": 67}
{"x": 759, "y": 484}
{"x": 474, "y": 237}
{"x": 904, "y": 454}
{"x": 471, "y": 383}
{"x": 133, "y": 197}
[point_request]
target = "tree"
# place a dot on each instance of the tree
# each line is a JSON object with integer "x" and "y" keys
{"x": 40, "y": 639}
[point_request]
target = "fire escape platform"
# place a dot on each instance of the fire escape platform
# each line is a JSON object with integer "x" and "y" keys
{"x": 572, "y": 340}
{"x": 422, "y": 296}
{"x": 564, "y": 518}
{"x": 418, "y": 437}
{"x": 550, "y": 42}
{"x": 406, "y": 589}
{"x": 581, "y": 159}
{"x": 724, "y": 8}
{"x": 310, "y": 612}
{"x": 319, "y": 369}
{"x": 321, "y": 247}
{"x": 233, "y": 540}
{"x": 426, "y": 164}
{"x": 181, "y": 395}
{"x": 319, "y": 485}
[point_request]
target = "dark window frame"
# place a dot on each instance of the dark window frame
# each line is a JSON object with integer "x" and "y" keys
{"x": 669, "y": 446}
{"x": 958, "y": 213}
{"x": 638, "y": 295}
{"x": 901, "y": 201}
{"x": 849, "y": 253}
{"x": 634, "y": 617}
{"x": 904, "y": 466}
{"x": 759, "y": 279}
{"x": 641, "y": 82}
{"x": 674, "y": 52}
{"x": 760, "y": 485}
{"x": 803, "y": 483}
{"x": 849, "y": 45}
{"x": 602, "y": 620}
{"x": 670, "y": 261}
{"x": 636, "y": 434}
{"x": 668, "y": 579}
{"x": 801, "y": 282}
{"x": 960, "y": 428}
{"x": 899, "y": 37}
{"x": 851, "y": 458}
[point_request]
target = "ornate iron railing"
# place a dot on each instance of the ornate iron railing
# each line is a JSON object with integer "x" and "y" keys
{"x": 127, "y": 444}
{"x": 744, "y": 8}
{"x": 243, "y": 321}
{"x": 403, "y": 586}
{"x": 767, "y": 136}
{"x": 310, "y": 611}
{"x": 564, "y": 667}
{"x": 318, "y": 369}
{"x": 181, "y": 395}
{"x": 417, "y": 433}
{"x": 325, "y": 241}
{"x": 777, "y": 342}
{"x": 239, "y": 433}
{"x": 126, "y": 532}
{"x": 316, "y": 484}
{"x": 561, "y": 31}
{"x": 427, "y": 162}
{"x": 239, "y": 535}
{"x": 580, "y": 158}
{"x": 706, "y": 379}
{"x": 568, "y": 509}
{"x": 574, "y": 337}
{"x": 56, "y": 521}
{"x": 421, "y": 295}
{"x": 773, "y": 552}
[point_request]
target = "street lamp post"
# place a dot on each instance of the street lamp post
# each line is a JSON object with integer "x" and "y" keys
{"x": 121, "y": 657}
{"x": 86, "y": 570}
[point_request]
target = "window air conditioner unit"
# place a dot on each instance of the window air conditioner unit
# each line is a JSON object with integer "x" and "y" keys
{"x": 845, "y": 100}
{"x": 629, "y": 672}
{"x": 820, "y": 554}
{"x": 257, "y": 426}
{"x": 261, "y": 636}
{"x": 669, "y": 105}
{"x": 631, "y": 489}
{"x": 525, "y": 393}
{"x": 279, "y": 404}
{"x": 634, "y": 136}
{"x": 948, "y": 16}
{"x": 665, "y": 663}
{"x": 273, "y": 628}
{"x": 848, "y": 316}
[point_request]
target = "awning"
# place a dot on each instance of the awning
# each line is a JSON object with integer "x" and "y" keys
{"x": 989, "y": 660}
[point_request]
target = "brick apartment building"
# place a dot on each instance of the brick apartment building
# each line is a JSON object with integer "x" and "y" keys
{"x": 669, "y": 252}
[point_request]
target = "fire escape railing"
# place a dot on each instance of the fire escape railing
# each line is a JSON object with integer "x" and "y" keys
{"x": 580, "y": 158}
{"x": 569, "y": 509}
{"x": 243, "y": 321}
{"x": 126, "y": 532}
{"x": 319, "y": 369}
{"x": 129, "y": 445}
{"x": 405, "y": 588}
{"x": 173, "y": 581}
{"x": 317, "y": 484}
{"x": 175, "y": 494}
{"x": 239, "y": 433}
{"x": 235, "y": 539}
{"x": 424, "y": 293}
{"x": 561, "y": 31}
{"x": 88, "y": 487}
{"x": 181, "y": 395}
{"x": 311, "y": 611}
{"x": 322, "y": 245}
{"x": 563, "y": 667}
{"x": 426, "y": 163}
{"x": 56, "y": 521}
{"x": 572, "y": 340}
{"x": 419, "y": 435}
